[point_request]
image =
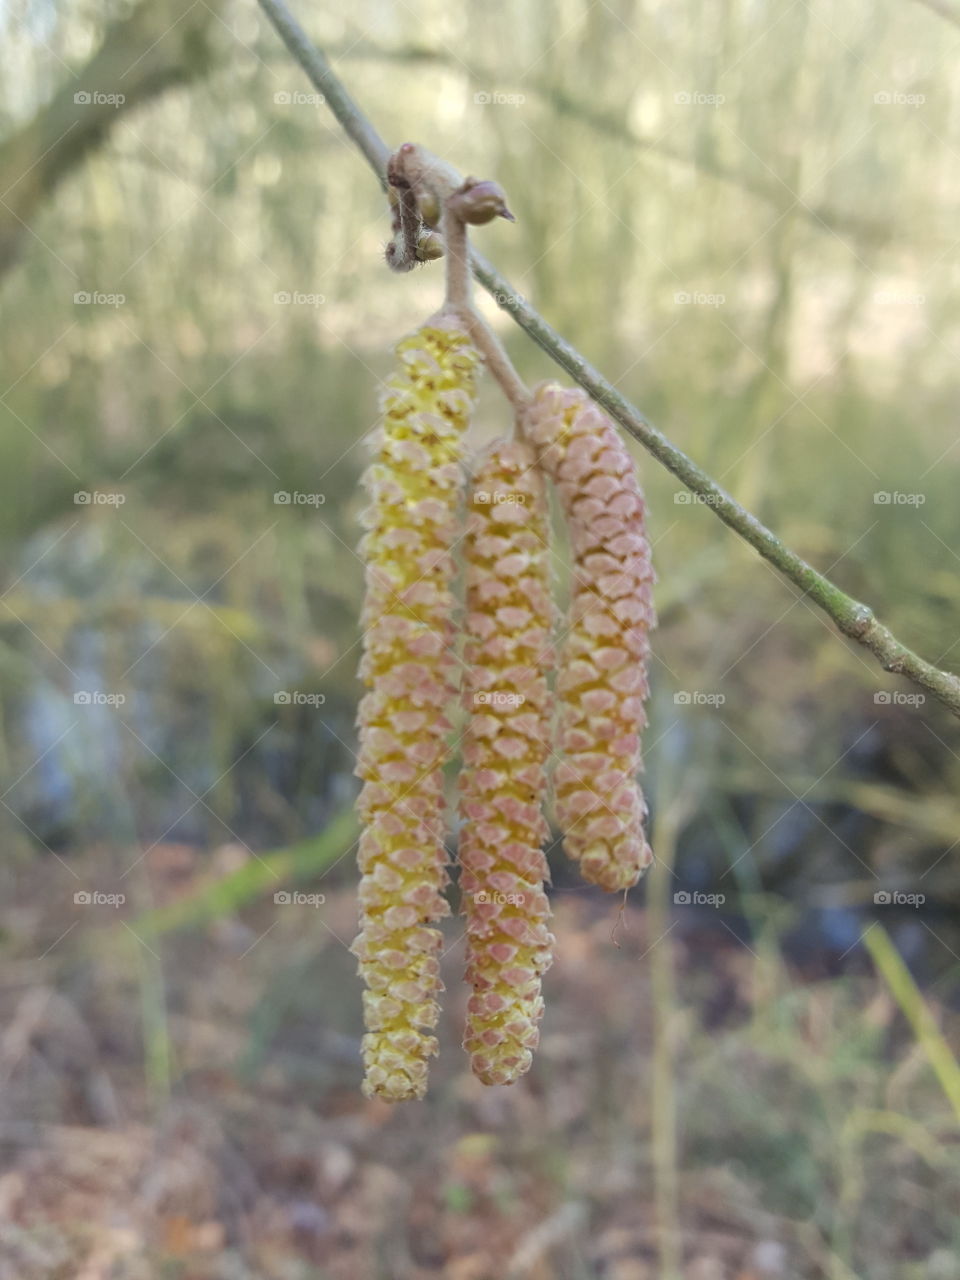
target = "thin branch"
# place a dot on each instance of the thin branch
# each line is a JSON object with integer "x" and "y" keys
{"x": 854, "y": 619}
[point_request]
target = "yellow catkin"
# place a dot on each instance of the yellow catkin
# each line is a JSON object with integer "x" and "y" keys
{"x": 602, "y": 670}
{"x": 408, "y": 666}
{"x": 505, "y": 747}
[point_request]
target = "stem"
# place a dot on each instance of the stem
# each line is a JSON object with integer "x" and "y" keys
{"x": 459, "y": 298}
{"x": 498, "y": 362}
{"x": 457, "y": 246}
{"x": 663, "y": 991}
{"x": 854, "y": 619}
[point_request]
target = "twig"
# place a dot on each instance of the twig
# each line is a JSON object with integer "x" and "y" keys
{"x": 854, "y": 619}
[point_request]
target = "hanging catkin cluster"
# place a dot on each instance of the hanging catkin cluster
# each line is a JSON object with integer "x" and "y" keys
{"x": 511, "y": 730}
{"x": 524, "y": 716}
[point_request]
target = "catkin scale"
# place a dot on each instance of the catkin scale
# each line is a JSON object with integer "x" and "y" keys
{"x": 505, "y": 746}
{"x": 408, "y": 666}
{"x": 602, "y": 670}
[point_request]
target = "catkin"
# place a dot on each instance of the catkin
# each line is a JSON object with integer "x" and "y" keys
{"x": 602, "y": 675}
{"x": 505, "y": 747}
{"x": 408, "y": 666}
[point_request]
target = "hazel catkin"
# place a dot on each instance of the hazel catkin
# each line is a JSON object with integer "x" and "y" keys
{"x": 602, "y": 669}
{"x": 505, "y": 746}
{"x": 415, "y": 487}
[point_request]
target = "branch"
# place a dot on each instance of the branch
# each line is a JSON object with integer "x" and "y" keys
{"x": 854, "y": 619}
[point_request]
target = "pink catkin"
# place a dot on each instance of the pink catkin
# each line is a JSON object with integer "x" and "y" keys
{"x": 410, "y": 671}
{"x": 602, "y": 677}
{"x": 506, "y": 744}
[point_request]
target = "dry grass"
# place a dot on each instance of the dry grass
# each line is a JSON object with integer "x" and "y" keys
{"x": 814, "y": 1139}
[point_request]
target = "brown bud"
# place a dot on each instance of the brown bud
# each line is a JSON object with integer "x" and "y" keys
{"x": 429, "y": 207}
{"x": 429, "y": 246}
{"x": 480, "y": 202}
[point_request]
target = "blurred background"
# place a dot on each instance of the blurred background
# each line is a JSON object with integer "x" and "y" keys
{"x": 745, "y": 215}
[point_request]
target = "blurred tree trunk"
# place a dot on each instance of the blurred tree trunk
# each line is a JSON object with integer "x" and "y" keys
{"x": 162, "y": 43}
